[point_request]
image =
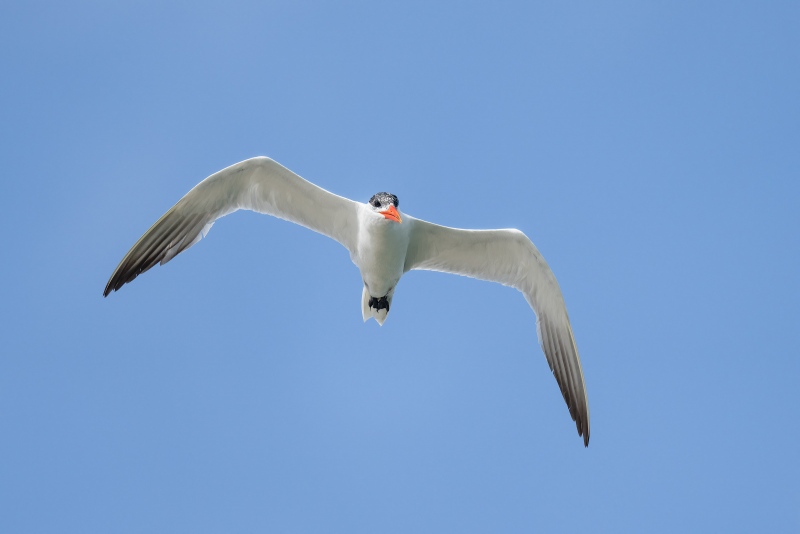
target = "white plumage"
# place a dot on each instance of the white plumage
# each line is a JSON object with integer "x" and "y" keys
{"x": 383, "y": 244}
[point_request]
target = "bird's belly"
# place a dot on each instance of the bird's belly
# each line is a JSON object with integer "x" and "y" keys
{"x": 380, "y": 275}
{"x": 381, "y": 267}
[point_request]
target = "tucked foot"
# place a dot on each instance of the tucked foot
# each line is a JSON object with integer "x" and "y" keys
{"x": 378, "y": 304}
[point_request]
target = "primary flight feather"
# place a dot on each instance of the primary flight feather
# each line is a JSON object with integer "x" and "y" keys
{"x": 383, "y": 243}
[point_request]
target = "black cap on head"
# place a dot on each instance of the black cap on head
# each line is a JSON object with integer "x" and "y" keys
{"x": 383, "y": 199}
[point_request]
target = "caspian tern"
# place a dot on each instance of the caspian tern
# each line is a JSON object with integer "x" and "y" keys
{"x": 383, "y": 243}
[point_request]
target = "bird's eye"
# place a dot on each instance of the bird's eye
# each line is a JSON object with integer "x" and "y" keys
{"x": 376, "y": 203}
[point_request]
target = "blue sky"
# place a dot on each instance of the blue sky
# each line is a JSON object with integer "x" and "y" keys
{"x": 650, "y": 150}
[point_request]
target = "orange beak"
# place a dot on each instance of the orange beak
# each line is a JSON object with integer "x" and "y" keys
{"x": 392, "y": 214}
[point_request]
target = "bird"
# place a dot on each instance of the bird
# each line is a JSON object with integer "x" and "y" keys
{"x": 384, "y": 243}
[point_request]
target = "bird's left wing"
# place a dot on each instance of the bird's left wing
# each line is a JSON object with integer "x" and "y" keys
{"x": 257, "y": 184}
{"x": 510, "y": 258}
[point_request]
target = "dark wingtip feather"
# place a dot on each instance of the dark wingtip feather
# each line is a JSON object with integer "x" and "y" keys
{"x": 172, "y": 229}
{"x": 562, "y": 366}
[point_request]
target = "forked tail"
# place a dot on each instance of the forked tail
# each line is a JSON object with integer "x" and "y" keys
{"x": 377, "y": 308}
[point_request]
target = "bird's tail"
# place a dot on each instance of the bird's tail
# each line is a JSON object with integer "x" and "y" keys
{"x": 375, "y": 308}
{"x": 365, "y": 305}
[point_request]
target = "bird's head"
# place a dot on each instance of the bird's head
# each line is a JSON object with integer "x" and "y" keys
{"x": 386, "y": 205}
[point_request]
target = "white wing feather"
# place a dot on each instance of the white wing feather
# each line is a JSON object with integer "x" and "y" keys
{"x": 257, "y": 184}
{"x": 510, "y": 258}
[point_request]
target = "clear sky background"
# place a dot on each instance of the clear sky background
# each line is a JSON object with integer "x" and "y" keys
{"x": 651, "y": 150}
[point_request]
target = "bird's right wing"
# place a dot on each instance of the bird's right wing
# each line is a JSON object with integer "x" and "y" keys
{"x": 257, "y": 184}
{"x": 510, "y": 258}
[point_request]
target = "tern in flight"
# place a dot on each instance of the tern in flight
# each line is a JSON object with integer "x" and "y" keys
{"x": 383, "y": 243}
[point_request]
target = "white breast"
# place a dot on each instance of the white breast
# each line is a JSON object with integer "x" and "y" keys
{"x": 381, "y": 252}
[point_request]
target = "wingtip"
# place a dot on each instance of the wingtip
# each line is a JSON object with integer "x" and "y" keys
{"x": 110, "y": 288}
{"x": 583, "y": 430}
